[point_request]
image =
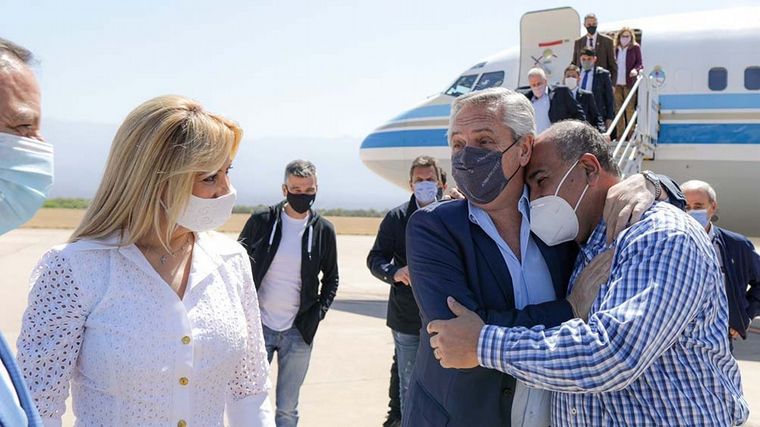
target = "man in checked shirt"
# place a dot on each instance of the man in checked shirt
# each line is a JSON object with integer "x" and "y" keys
{"x": 652, "y": 348}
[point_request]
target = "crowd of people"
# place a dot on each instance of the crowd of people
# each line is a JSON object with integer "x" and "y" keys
{"x": 541, "y": 289}
{"x": 594, "y": 85}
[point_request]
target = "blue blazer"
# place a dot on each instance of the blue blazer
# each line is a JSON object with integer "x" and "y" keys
{"x": 10, "y": 413}
{"x": 741, "y": 265}
{"x": 450, "y": 256}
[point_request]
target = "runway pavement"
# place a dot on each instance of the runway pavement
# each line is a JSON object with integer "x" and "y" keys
{"x": 347, "y": 383}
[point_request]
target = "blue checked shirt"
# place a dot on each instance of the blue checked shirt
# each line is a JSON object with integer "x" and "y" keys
{"x": 654, "y": 350}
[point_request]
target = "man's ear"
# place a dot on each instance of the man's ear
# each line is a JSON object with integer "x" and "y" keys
{"x": 526, "y": 149}
{"x": 284, "y": 190}
{"x": 591, "y": 167}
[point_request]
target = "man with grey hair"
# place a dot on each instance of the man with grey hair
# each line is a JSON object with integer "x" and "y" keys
{"x": 481, "y": 252}
{"x": 739, "y": 261}
{"x": 551, "y": 104}
{"x": 26, "y": 167}
{"x": 290, "y": 245}
{"x": 650, "y": 349}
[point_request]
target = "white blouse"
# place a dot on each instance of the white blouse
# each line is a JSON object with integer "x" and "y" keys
{"x": 101, "y": 319}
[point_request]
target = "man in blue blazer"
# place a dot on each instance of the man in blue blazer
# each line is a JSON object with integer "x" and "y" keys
{"x": 738, "y": 259}
{"x": 19, "y": 126}
{"x": 481, "y": 252}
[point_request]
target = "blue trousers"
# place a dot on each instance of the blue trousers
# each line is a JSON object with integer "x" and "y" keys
{"x": 293, "y": 355}
{"x": 406, "y": 353}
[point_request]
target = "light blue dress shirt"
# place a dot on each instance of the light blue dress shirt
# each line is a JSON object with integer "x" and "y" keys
{"x": 532, "y": 284}
{"x": 541, "y": 106}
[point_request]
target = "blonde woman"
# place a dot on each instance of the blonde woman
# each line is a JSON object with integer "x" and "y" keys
{"x": 629, "y": 65}
{"x": 151, "y": 317}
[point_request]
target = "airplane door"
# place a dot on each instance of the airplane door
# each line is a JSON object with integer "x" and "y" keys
{"x": 547, "y": 39}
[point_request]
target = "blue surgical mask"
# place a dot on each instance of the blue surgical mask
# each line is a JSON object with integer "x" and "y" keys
{"x": 700, "y": 215}
{"x": 26, "y": 174}
{"x": 425, "y": 192}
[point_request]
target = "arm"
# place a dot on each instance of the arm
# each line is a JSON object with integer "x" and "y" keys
{"x": 612, "y": 62}
{"x": 381, "y": 254}
{"x": 639, "y": 318}
{"x": 609, "y": 95}
{"x": 51, "y": 335}
{"x": 595, "y": 118}
{"x": 638, "y": 64}
{"x": 576, "y": 50}
{"x": 329, "y": 266}
{"x": 753, "y": 294}
{"x": 438, "y": 271}
{"x": 247, "y": 397}
{"x": 574, "y": 108}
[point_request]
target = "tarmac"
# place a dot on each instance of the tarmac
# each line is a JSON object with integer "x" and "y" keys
{"x": 347, "y": 383}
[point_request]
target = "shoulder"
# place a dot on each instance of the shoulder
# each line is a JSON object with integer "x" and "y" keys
{"x": 664, "y": 224}
{"x": 398, "y": 212}
{"x": 220, "y": 244}
{"x": 604, "y": 38}
{"x": 601, "y": 70}
{"x": 440, "y": 212}
{"x": 731, "y": 237}
{"x": 262, "y": 214}
{"x": 585, "y": 92}
{"x": 325, "y": 225}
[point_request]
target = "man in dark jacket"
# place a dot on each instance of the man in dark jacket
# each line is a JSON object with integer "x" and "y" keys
{"x": 738, "y": 259}
{"x": 584, "y": 97}
{"x": 597, "y": 80}
{"x": 290, "y": 245}
{"x": 602, "y": 44}
{"x": 551, "y": 104}
{"x": 387, "y": 262}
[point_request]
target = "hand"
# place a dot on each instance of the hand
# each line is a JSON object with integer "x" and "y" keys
{"x": 634, "y": 72}
{"x": 733, "y": 333}
{"x": 455, "y": 341}
{"x": 586, "y": 287}
{"x": 454, "y": 194}
{"x": 626, "y": 202}
{"x": 402, "y": 275}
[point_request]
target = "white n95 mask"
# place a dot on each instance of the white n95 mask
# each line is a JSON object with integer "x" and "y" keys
{"x": 552, "y": 219}
{"x": 207, "y": 214}
{"x": 26, "y": 174}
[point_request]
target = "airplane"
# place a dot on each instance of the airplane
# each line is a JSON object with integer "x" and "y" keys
{"x": 698, "y": 109}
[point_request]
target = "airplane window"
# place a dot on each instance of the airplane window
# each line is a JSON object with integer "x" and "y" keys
{"x": 487, "y": 80}
{"x": 717, "y": 78}
{"x": 462, "y": 85}
{"x": 752, "y": 78}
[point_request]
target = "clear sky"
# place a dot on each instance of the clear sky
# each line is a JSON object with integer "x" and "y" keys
{"x": 281, "y": 68}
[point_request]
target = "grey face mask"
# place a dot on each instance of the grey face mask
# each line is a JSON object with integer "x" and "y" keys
{"x": 478, "y": 173}
{"x": 587, "y": 65}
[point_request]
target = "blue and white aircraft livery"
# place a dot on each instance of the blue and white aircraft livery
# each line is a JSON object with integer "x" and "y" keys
{"x": 707, "y": 67}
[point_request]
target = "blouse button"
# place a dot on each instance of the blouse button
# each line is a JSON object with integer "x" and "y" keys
{"x": 182, "y": 423}
{"x": 186, "y": 340}
{"x": 183, "y": 381}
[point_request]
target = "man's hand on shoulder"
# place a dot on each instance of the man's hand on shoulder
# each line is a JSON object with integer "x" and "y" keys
{"x": 455, "y": 341}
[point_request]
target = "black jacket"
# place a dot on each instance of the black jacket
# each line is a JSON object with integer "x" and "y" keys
{"x": 388, "y": 254}
{"x": 261, "y": 238}
{"x": 741, "y": 266}
{"x": 601, "y": 86}
{"x": 562, "y": 105}
{"x": 586, "y": 99}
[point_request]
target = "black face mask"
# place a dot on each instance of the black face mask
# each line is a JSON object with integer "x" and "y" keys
{"x": 301, "y": 202}
{"x": 591, "y": 29}
{"x": 478, "y": 173}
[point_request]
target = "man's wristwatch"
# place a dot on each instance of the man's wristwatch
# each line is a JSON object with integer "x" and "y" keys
{"x": 655, "y": 180}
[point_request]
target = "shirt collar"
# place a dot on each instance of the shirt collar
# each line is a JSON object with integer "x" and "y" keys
{"x": 597, "y": 241}
{"x": 523, "y": 205}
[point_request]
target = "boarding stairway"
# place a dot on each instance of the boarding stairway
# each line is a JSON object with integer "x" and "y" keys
{"x": 639, "y": 139}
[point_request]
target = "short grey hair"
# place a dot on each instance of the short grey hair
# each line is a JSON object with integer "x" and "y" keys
{"x": 574, "y": 138}
{"x": 537, "y": 72}
{"x": 697, "y": 185}
{"x": 300, "y": 168}
{"x": 11, "y": 52}
{"x": 516, "y": 110}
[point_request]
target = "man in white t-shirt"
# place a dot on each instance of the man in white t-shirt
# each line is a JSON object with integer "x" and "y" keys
{"x": 290, "y": 245}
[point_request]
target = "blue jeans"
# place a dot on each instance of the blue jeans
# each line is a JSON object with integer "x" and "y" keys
{"x": 293, "y": 355}
{"x": 406, "y": 353}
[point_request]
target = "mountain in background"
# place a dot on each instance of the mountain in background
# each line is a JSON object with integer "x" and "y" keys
{"x": 81, "y": 150}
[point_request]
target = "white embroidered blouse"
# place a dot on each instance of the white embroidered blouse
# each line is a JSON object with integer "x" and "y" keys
{"x": 101, "y": 319}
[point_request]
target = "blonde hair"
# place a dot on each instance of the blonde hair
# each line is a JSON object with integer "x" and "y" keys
{"x": 155, "y": 156}
{"x": 616, "y": 40}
